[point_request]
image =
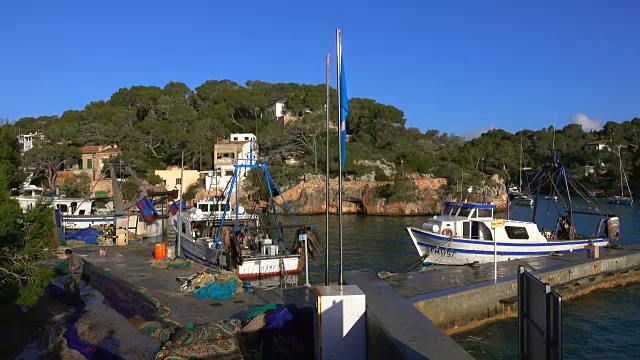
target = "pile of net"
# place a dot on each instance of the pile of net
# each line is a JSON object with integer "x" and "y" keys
{"x": 169, "y": 263}
{"x": 278, "y": 332}
{"x": 201, "y": 341}
{"x": 211, "y": 284}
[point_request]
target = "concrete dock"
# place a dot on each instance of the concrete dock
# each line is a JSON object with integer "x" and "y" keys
{"x": 130, "y": 266}
{"x": 409, "y": 315}
{"x": 413, "y": 313}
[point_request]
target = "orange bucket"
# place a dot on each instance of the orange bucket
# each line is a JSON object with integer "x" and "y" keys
{"x": 164, "y": 250}
{"x": 158, "y": 254}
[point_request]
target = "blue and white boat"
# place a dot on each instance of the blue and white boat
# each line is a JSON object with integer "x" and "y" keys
{"x": 465, "y": 233}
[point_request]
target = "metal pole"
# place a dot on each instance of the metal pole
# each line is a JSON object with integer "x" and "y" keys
{"x": 338, "y": 72}
{"x": 495, "y": 257}
{"x": 306, "y": 261}
{"x": 178, "y": 252}
{"x": 326, "y": 271}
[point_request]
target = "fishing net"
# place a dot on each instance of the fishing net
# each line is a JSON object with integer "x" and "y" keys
{"x": 203, "y": 341}
{"x": 123, "y": 297}
{"x": 211, "y": 284}
{"x": 169, "y": 263}
{"x": 216, "y": 291}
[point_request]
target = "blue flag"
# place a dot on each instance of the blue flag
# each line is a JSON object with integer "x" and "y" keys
{"x": 344, "y": 111}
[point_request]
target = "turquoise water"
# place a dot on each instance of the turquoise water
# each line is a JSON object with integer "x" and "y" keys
{"x": 596, "y": 326}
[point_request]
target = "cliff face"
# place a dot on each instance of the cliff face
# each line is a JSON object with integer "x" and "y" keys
{"x": 361, "y": 197}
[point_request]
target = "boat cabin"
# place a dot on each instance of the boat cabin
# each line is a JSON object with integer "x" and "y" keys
{"x": 468, "y": 210}
{"x": 466, "y": 220}
{"x": 473, "y": 221}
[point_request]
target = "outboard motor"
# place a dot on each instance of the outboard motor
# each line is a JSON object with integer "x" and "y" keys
{"x": 613, "y": 228}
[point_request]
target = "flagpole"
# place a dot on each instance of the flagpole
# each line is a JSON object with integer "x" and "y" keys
{"x": 339, "y": 73}
{"x": 326, "y": 272}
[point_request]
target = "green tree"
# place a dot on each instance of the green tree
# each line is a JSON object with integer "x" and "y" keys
{"x": 78, "y": 186}
{"x": 49, "y": 160}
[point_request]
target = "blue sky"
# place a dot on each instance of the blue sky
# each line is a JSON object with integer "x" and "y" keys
{"x": 455, "y": 66}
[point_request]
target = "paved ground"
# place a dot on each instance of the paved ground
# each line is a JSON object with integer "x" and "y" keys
{"x": 131, "y": 263}
{"x": 435, "y": 278}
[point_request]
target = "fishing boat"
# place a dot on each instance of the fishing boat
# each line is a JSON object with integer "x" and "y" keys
{"x": 77, "y": 213}
{"x": 523, "y": 200}
{"x": 467, "y": 233}
{"x": 224, "y": 236}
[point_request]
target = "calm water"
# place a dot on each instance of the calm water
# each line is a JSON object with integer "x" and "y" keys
{"x": 596, "y": 326}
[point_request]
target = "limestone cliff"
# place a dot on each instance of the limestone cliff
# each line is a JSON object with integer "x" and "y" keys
{"x": 427, "y": 196}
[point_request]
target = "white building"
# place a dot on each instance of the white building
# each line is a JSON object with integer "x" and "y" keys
{"x": 239, "y": 149}
{"x": 277, "y": 109}
{"x": 597, "y": 145}
{"x": 28, "y": 140}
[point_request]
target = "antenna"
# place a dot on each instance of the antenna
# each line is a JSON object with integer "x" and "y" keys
{"x": 553, "y": 146}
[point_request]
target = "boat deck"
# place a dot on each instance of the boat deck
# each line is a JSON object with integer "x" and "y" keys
{"x": 130, "y": 264}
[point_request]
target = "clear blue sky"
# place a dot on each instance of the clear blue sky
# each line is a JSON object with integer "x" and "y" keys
{"x": 454, "y": 66}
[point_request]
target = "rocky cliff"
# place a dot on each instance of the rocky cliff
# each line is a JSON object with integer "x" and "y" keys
{"x": 426, "y": 196}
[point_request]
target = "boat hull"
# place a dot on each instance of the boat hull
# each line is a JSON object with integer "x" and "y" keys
{"x": 456, "y": 251}
{"x": 83, "y": 222}
{"x": 199, "y": 252}
{"x": 626, "y": 202}
{"x": 258, "y": 267}
{"x": 251, "y": 268}
{"x": 523, "y": 202}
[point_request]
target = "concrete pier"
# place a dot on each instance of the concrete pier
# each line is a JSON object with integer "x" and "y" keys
{"x": 130, "y": 266}
{"x": 457, "y": 298}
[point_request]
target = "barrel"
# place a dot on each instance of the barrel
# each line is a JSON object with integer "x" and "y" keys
{"x": 158, "y": 254}
{"x": 164, "y": 250}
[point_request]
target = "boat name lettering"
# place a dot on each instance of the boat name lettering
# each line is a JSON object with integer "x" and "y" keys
{"x": 443, "y": 252}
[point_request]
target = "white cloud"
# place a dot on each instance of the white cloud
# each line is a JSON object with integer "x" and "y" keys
{"x": 472, "y": 134}
{"x": 586, "y": 123}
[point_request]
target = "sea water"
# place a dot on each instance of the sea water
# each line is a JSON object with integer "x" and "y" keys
{"x": 598, "y": 325}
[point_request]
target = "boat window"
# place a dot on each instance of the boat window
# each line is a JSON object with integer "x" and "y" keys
{"x": 516, "y": 232}
{"x": 81, "y": 212}
{"x": 480, "y": 230}
{"x": 465, "y": 212}
{"x": 63, "y": 208}
{"x": 484, "y": 213}
{"x": 203, "y": 207}
{"x": 466, "y": 229}
{"x": 447, "y": 210}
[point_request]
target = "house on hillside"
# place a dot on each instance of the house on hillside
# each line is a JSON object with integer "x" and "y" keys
{"x": 92, "y": 159}
{"x": 598, "y": 145}
{"x": 278, "y": 111}
{"x": 239, "y": 149}
{"x": 27, "y": 141}
{"x": 171, "y": 178}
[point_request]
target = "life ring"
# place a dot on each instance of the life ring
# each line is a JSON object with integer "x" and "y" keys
{"x": 449, "y": 232}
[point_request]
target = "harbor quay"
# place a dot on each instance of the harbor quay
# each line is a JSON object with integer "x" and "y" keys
{"x": 408, "y": 315}
{"x": 413, "y": 313}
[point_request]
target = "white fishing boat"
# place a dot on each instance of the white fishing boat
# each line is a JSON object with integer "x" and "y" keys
{"x": 214, "y": 233}
{"x": 77, "y": 213}
{"x": 523, "y": 200}
{"x": 467, "y": 233}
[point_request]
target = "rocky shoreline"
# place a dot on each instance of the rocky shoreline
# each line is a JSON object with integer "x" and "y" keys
{"x": 426, "y": 196}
